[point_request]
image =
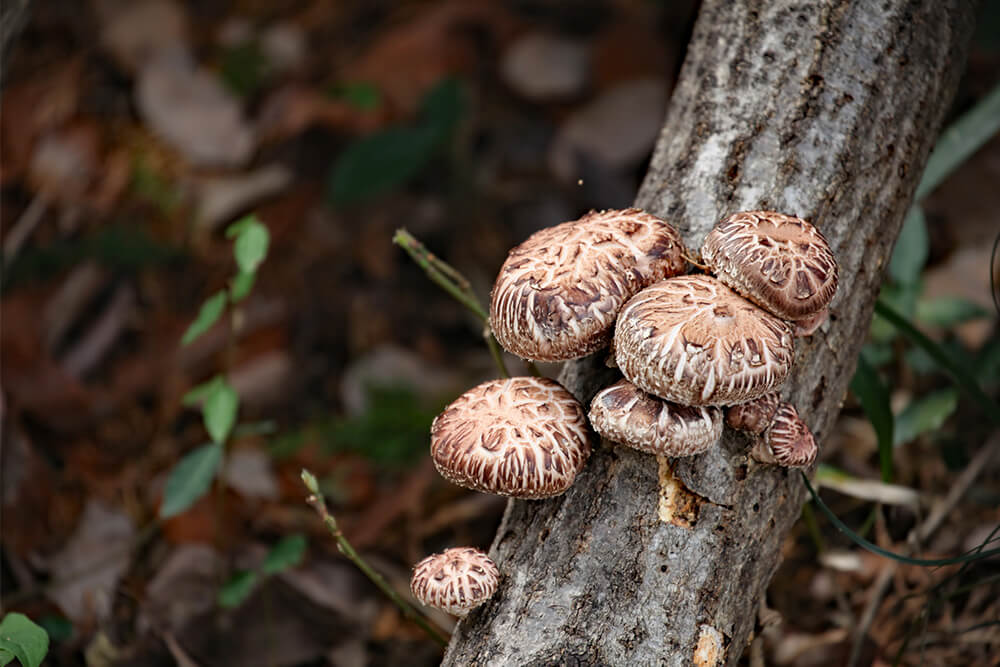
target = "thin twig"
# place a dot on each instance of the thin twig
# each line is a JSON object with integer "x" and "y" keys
{"x": 317, "y": 502}
{"x": 444, "y": 275}
{"x": 454, "y": 283}
{"x": 920, "y": 533}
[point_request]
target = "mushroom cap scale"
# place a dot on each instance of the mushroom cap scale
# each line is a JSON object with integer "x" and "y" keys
{"x": 625, "y": 414}
{"x": 558, "y": 293}
{"x": 754, "y": 416}
{"x": 457, "y": 580}
{"x": 780, "y": 262}
{"x": 788, "y": 442}
{"x": 525, "y": 437}
{"x": 692, "y": 340}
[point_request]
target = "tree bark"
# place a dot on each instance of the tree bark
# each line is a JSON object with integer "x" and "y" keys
{"x": 826, "y": 110}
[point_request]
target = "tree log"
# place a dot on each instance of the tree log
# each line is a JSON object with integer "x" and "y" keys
{"x": 826, "y": 110}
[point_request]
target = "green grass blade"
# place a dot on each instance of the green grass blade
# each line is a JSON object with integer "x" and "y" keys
{"x": 976, "y": 554}
{"x": 960, "y": 375}
{"x": 960, "y": 140}
{"x": 874, "y": 399}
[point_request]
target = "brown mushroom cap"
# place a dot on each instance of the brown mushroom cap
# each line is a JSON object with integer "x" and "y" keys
{"x": 694, "y": 341}
{"x": 754, "y": 416}
{"x": 558, "y": 293}
{"x": 787, "y": 442}
{"x": 525, "y": 437}
{"x": 457, "y": 580}
{"x": 780, "y": 262}
{"x": 625, "y": 414}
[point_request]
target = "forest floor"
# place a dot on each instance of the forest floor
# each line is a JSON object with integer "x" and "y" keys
{"x": 135, "y": 132}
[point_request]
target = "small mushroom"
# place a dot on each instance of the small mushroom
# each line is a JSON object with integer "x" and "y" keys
{"x": 694, "y": 341}
{"x": 625, "y": 414}
{"x": 558, "y": 293}
{"x": 754, "y": 416}
{"x": 525, "y": 437}
{"x": 780, "y": 262}
{"x": 787, "y": 442}
{"x": 457, "y": 580}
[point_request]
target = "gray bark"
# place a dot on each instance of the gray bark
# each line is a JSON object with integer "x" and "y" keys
{"x": 826, "y": 110}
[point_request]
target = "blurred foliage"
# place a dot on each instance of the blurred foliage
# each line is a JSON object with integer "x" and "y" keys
{"x": 360, "y": 94}
{"x": 393, "y": 431}
{"x": 386, "y": 160}
{"x": 117, "y": 247}
{"x": 244, "y": 68}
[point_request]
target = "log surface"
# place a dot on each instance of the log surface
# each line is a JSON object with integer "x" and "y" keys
{"x": 826, "y": 110}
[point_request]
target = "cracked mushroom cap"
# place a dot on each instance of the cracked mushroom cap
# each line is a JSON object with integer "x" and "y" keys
{"x": 780, "y": 262}
{"x": 788, "y": 442}
{"x": 625, "y": 414}
{"x": 692, "y": 340}
{"x": 525, "y": 437}
{"x": 457, "y": 580}
{"x": 558, "y": 293}
{"x": 754, "y": 416}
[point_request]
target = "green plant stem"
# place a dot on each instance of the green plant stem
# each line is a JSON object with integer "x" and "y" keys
{"x": 317, "y": 502}
{"x": 444, "y": 275}
{"x": 495, "y": 351}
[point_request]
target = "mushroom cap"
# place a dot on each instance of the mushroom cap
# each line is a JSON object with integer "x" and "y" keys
{"x": 525, "y": 437}
{"x": 625, "y": 414}
{"x": 694, "y": 341}
{"x": 788, "y": 442}
{"x": 558, "y": 293}
{"x": 457, "y": 580}
{"x": 780, "y": 262}
{"x": 754, "y": 416}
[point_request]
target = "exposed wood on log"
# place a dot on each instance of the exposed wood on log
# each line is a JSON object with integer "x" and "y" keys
{"x": 825, "y": 110}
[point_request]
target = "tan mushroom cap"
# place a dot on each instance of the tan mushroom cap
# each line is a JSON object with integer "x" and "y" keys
{"x": 525, "y": 437}
{"x": 754, "y": 416}
{"x": 780, "y": 262}
{"x": 558, "y": 293}
{"x": 625, "y": 414}
{"x": 788, "y": 442}
{"x": 457, "y": 580}
{"x": 694, "y": 341}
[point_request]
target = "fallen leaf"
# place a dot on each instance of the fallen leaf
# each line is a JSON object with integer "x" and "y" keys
{"x": 190, "y": 109}
{"x": 134, "y": 32}
{"x": 618, "y": 128}
{"x": 542, "y": 66}
{"x": 91, "y": 563}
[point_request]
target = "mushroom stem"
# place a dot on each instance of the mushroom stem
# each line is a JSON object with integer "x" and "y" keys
{"x": 318, "y": 503}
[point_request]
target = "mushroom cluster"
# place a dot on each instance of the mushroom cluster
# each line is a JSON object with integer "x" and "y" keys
{"x": 689, "y": 346}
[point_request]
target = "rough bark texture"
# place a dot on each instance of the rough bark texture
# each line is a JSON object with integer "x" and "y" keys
{"x": 825, "y": 110}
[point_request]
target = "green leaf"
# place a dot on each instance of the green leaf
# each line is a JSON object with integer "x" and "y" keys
{"x": 285, "y": 554}
{"x": 912, "y": 247}
{"x": 59, "y": 628}
{"x": 960, "y": 140}
{"x": 190, "y": 479}
{"x": 380, "y": 162}
{"x": 22, "y": 638}
{"x": 965, "y": 380}
{"x": 237, "y": 589}
{"x": 210, "y": 312}
{"x": 197, "y": 394}
{"x": 383, "y": 161}
{"x": 924, "y": 414}
{"x": 221, "y": 404}
{"x": 244, "y": 68}
{"x": 947, "y": 311}
{"x": 359, "y": 94}
{"x": 251, "y": 244}
{"x": 874, "y": 399}
{"x": 241, "y": 285}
